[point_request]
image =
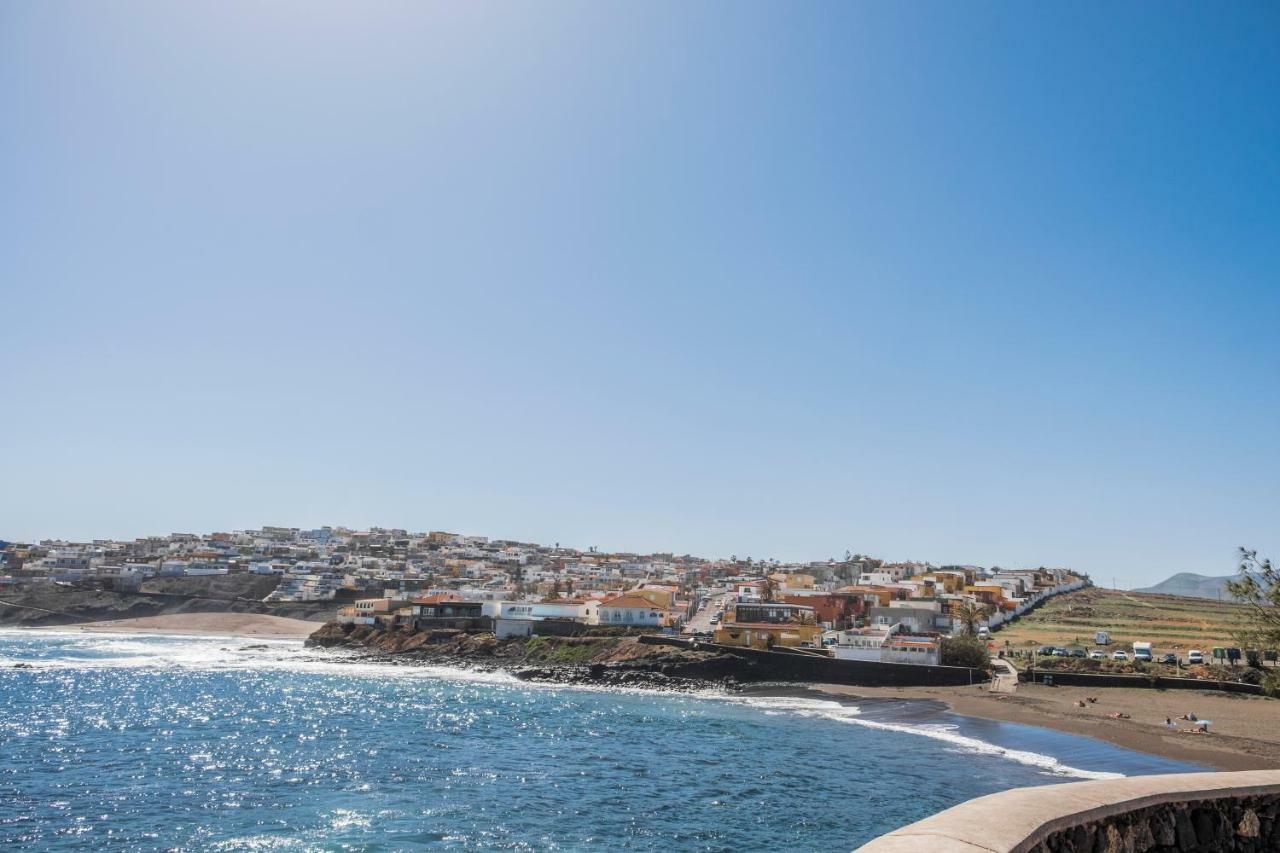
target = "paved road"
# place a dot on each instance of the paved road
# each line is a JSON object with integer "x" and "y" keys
{"x": 701, "y": 621}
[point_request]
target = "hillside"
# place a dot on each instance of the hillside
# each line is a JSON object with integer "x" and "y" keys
{"x": 58, "y": 605}
{"x": 1192, "y": 585}
{"x": 1170, "y": 623}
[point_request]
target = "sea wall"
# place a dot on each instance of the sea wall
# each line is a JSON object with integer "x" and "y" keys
{"x": 795, "y": 665}
{"x": 1066, "y": 678}
{"x": 1186, "y": 812}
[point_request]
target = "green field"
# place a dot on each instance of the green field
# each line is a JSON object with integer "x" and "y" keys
{"x": 1170, "y": 623}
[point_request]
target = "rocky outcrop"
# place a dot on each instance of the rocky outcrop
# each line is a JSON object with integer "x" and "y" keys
{"x": 49, "y": 604}
{"x": 616, "y": 660}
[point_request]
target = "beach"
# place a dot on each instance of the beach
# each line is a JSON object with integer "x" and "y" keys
{"x": 200, "y": 625}
{"x": 1244, "y": 732}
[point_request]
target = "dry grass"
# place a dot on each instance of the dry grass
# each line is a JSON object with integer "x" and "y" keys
{"x": 1170, "y": 623}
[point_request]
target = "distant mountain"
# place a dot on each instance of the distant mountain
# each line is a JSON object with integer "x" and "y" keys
{"x": 1193, "y": 586}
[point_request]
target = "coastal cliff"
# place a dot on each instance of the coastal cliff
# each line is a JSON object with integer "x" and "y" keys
{"x": 618, "y": 659}
{"x": 51, "y": 604}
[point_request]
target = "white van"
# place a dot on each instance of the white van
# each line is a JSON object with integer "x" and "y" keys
{"x": 1142, "y": 652}
{"x": 984, "y": 633}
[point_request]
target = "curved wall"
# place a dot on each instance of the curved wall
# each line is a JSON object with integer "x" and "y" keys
{"x": 1190, "y": 812}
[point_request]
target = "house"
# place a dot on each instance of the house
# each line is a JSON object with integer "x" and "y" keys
{"x": 834, "y": 610}
{"x": 576, "y": 609}
{"x": 631, "y": 609}
{"x": 916, "y": 618}
{"x": 859, "y": 644}
{"x": 767, "y": 624}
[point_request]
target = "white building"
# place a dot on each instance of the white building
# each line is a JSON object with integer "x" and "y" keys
{"x": 630, "y": 609}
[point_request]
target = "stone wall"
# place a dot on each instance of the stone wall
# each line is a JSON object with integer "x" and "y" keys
{"x": 1245, "y": 824}
{"x": 1184, "y": 812}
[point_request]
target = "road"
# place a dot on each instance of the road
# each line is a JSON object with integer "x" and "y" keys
{"x": 701, "y": 621}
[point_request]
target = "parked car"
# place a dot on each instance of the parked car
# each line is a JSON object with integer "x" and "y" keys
{"x": 1061, "y": 653}
{"x": 1170, "y": 659}
{"x": 1046, "y": 650}
{"x": 1119, "y": 655}
{"x": 1194, "y": 657}
{"x": 1097, "y": 654}
{"x": 1079, "y": 653}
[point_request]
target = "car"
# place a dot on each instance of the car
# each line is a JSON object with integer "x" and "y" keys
{"x": 1120, "y": 656}
{"x": 1195, "y": 656}
{"x": 1061, "y": 653}
{"x": 1097, "y": 654}
{"x": 1170, "y": 659}
{"x": 1079, "y": 653}
{"x": 1046, "y": 650}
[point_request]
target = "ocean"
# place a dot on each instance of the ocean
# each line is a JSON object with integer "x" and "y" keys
{"x": 171, "y": 743}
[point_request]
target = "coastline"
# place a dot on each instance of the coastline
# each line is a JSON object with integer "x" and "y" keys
{"x": 1245, "y": 730}
{"x": 197, "y": 625}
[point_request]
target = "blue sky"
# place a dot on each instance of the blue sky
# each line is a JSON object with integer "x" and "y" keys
{"x": 983, "y": 283}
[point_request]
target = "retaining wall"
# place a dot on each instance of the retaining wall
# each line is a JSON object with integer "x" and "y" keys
{"x": 1187, "y": 812}
{"x": 1090, "y": 679}
{"x": 797, "y": 666}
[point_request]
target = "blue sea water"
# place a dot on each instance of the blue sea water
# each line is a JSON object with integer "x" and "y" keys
{"x": 168, "y": 743}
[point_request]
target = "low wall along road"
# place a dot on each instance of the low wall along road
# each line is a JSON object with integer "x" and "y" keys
{"x": 1187, "y": 812}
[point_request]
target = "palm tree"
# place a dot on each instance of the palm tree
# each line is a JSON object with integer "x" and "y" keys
{"x": 970, "y": 613}
{"x": 767, "y": 589}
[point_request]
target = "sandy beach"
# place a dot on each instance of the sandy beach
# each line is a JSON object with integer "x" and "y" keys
{"x": 201, "y": 625}
{"x": 1244, "y": 734}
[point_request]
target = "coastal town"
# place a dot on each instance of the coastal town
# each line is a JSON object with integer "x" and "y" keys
{"x": 852, "y": 608}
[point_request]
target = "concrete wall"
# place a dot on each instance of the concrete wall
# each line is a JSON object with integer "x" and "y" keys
{"x": 1189, "y": 812}
{"x": 1090, "y": 679}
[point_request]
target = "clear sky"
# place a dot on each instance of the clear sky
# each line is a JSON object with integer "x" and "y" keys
{"x": 965, "y": 282}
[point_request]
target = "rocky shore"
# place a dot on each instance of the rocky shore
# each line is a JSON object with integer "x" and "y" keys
{"x": 607, "y": 658}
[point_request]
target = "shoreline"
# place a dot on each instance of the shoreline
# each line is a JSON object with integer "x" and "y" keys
{"x": 257, "y": 625}
{"x": 1245, "y": 730}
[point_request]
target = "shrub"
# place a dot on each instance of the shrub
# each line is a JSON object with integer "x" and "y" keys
{"x": 965, "y": 650}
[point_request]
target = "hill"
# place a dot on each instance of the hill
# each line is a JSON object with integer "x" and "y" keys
{"x": 60, "y": 605}
{"x": 1170, "y": 623}
{"x": 1192, "y": 585}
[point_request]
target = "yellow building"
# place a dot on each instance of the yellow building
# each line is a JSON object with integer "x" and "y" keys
{"x": 661, "y": 596}
{"x": 951, "y": 582}
{"x": 768, "y": 624}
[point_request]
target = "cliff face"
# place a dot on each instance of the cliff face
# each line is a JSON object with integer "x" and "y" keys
{"x": 59, "y": 605}
{"x": 610, "y": 659}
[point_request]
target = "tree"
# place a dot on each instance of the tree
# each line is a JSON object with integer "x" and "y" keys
{"x": 767, "y": 589}
{"x": 1258, "y": 588}
{"x": 970, "y": 613}
{"x": 965, "y": 650}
